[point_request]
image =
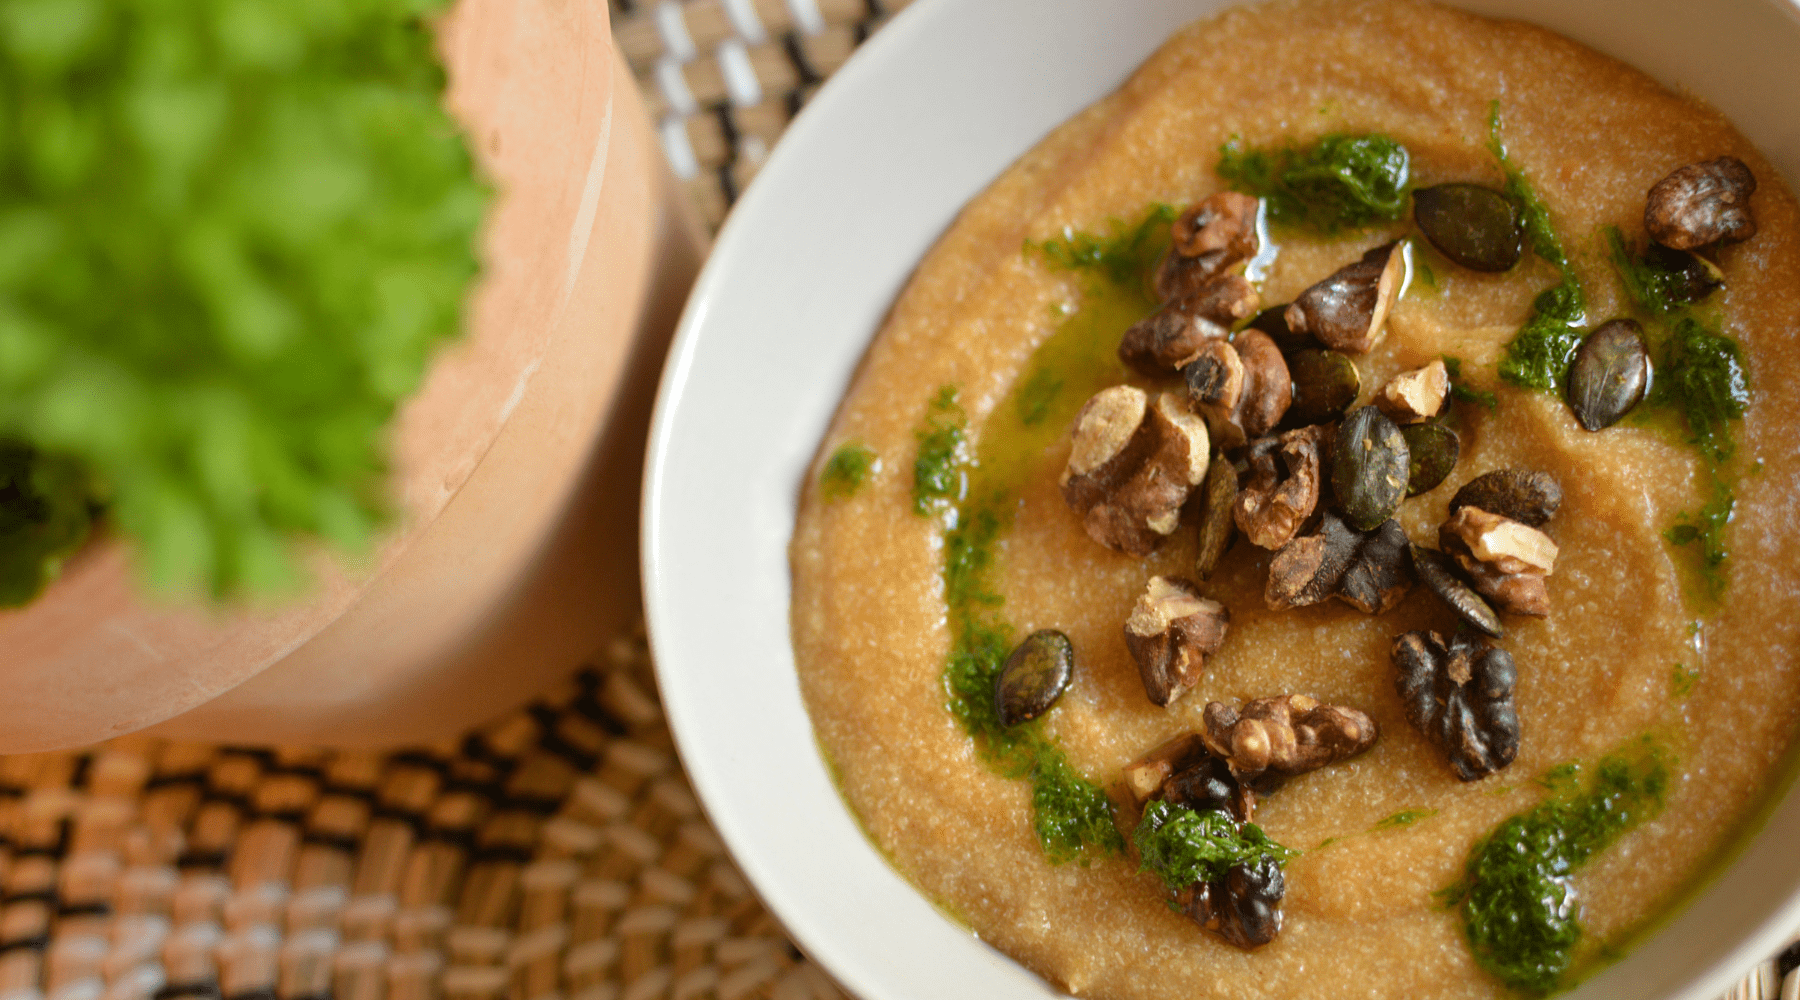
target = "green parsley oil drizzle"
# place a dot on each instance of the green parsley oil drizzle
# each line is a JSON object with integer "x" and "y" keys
{"x": 1181, "y": 846}
{"x": 1339, "y": 182}
{"x": 1402, "y": 819}
{"x": 1700, "y": 384}
{"x": 938, "y": 474}
{"x": 1539, "y": 355}
{"x": 1519, "y": 908}
{"x": 848, "y": 468}
{"x": 1460, "y": 388}
{"x": 977, "y": 493}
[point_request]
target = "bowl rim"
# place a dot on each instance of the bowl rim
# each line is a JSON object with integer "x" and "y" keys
{"x": 795, "y": 897}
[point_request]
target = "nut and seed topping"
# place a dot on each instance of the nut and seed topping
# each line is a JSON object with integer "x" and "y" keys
{"x": 1132, "y": 465}
{"x": 1477, "y": 227}
{"x": 1506, "y": 560}
{"x": 1432, "y": 451}
{"x": 1242, "y": 388}
{"x": 1217, "y": 528}
{"x": 1370, "y": 572}
{"x": 1416, "y": 396}
{"x": 1370, "y": 467}
{"x": 1146, "y": 776}
{"x": 1702, "y": 203}
{"x": 1171, "y": 632}
{"x": 1207, "y": 240}
{"x": 1381, "y": 574}
{"x": 1283, "y": 488}
{"x": 1169, "y": 338}
{"x": 1460, "y": 695}
{"x": 1610, "y": 372}
{"x": 1326, "y": 384}
{"x": 1289, "y": 735}
{"x": 1468, "y": 604}
{"x": 1523, "y": 495}
{"x": 1307, "y": 570}
{"x": 1244, "y": 907}
{"x": 1347, "y": 311}
{"x": 1035, "y": 675}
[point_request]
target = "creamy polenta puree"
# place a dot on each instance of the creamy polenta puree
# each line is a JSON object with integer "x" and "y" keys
{"x": 869, "y": 606}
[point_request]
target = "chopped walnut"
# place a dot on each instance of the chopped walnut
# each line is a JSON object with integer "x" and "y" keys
{"x": 1207, "y": 240}
{"x": 1242, "y": 388}
{"x": 1168, "y": 338}
{"x": 1132, "y": 465}
{"x": 1289, "y": 735}
{"x": 1460, "y": 695}
{"x": 1244, "y": 907}
{"x": 1506, "y": 561}
{"x": 1369, "y": 571}
{"x": 1381, "y": 574}
{"x": 1146, "y": 776}
{"x": 1702, "y": 203}
{"x": 1347, "y": 310}
{"x": 1307, "y": 570}
{"x": 1275, "y": 502}
{"x": 1171, "y": 632}
{"x": 1416, "y": 396}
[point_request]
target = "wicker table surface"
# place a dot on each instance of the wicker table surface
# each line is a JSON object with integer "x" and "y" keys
{"x": 557, "y": 855}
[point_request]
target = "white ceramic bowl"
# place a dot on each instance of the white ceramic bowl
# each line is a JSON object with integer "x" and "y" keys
{"x": 924, "y": 117}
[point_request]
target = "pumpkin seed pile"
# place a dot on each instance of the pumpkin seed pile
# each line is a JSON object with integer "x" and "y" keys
{"x": 1259, "y": 434}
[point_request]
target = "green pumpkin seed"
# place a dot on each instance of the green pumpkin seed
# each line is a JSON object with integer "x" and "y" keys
{"x": 1477, "y": 227}
{"x": 1463, "y": 600}
{"x": 1523, "y": 495}
{"x": 1326, "y": 384}
{"x": 1610, "y": 372}
{"x": 1034, "y": 677}
{"x": 1217, "y": 527}
{"x": 1369, "y": 468}
{"x": 1432, "y": 451}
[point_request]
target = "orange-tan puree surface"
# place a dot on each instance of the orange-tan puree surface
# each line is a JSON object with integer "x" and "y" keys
{"x": 870, "y": 625}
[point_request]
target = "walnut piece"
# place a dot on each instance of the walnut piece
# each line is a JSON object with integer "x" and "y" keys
{"x": 1132, "y": 465}
{"x": 1244, "y": 907}
{"x": 1416, "y": 396}
{"x": 1702, "y": 203}
{"x": 1289, "y": 735}
{"x": 1276, "y": 501}
{"x": 1348, "y": 310}
{"x": 1506, "y": 561}
{"x": 1243, "y": 388}
{"x": 1370, "y": 571}
{"x": 1460, "y": 695}
{"x": 1307, "y": 570}
{"x": 1170, "y": 337}
{"x": 1146, "y": 776}
{"x": 1171, "y": 632}
{"x": 1207, "y": 240}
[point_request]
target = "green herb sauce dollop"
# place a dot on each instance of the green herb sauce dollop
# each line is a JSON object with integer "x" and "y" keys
{"x": 848, "y": 468}
{"x": 1340, "y": 182}
{"x": 1519, "y": 908}
{"x": 1181, "y": 846}
{"x": 1539, "y": 356}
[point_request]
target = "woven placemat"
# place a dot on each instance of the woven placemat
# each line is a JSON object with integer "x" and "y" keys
{"x": 558, "y": 854}
{"x": 723, "y": 78}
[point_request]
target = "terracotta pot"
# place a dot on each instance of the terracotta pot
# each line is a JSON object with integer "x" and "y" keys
{"x": 517, "y": 463}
